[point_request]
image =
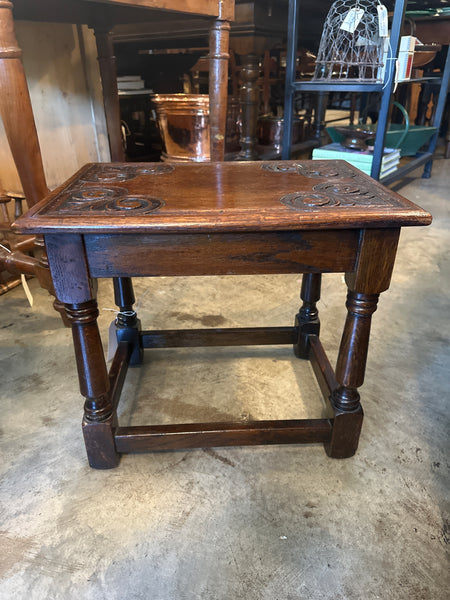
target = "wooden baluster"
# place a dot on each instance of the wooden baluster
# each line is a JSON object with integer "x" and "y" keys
{"x": 128, "y": 326}
{"x": 372, "y": 276}
{"x": 218, "y": 86}
{"x": 350, "y": 369}
{"x": 307, "y": 319}
{"x": 249, "y": 99}
{"x": 99, "y": 415}
{"x": 66, "y": 255}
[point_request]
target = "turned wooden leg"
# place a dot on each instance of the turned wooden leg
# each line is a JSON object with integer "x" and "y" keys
{"x": 350, "y": 369}
{"x": 128, "y": 326}
{"x": 307, "y": 319}
{"x": 99, "y": 416}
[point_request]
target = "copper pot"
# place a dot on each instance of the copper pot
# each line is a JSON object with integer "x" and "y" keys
{"x": 183, "y": 121}
{"x": 270, "y": 131}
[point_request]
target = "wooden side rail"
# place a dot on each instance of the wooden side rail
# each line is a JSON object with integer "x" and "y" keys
{"x": 243, "y": 336}
{"x": 205, "y": 435}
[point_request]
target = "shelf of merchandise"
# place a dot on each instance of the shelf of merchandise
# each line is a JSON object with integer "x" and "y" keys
{"x": 386, "y": 88}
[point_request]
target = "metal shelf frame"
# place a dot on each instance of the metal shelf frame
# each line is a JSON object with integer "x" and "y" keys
{"x": 386, "y": 88}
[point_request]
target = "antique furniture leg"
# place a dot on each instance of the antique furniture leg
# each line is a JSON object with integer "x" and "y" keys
{"x": 372, "y": 276}
{"x": 128, "y": 326}
{"x": 66, "y": 255}
{"x": 307, "y": 319}
{"x": 249, "y": 106}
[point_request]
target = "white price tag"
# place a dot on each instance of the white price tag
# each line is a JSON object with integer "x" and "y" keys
{"x": 112, "y": 341}
{"x": 352, "y": 19}
{"x": 382, "y": 20}
{"x": 26, "y": 289}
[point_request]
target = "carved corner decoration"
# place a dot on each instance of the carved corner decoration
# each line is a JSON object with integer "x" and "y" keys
{"x": 96, "y": 193}
{"x": 115, "y": 174}
{"x": 99, "y": 200}
{"x": 343, "y": 187}
{"x": 320, "y": 170}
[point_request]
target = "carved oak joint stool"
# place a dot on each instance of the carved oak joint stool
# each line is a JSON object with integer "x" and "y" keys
{"x": 129, "y": 220}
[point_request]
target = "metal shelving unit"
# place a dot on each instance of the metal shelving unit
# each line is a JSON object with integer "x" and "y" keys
{"x": 386, "y": 89}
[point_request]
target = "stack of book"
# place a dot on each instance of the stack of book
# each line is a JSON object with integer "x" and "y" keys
{"x": 362, "y": 159}
{"x": 130, "y": 82}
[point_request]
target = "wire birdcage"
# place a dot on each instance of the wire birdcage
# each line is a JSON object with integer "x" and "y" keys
{"x": 351, "y": 47}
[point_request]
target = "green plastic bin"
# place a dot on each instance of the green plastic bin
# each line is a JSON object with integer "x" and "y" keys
{"x": 408, "y": 138}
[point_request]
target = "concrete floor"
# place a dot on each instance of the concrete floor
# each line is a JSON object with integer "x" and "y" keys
{"x": 255, "y": 523}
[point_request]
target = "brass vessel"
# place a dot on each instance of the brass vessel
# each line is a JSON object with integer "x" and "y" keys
{"x": 183, "y": 121}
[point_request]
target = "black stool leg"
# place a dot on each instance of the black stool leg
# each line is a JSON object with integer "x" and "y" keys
{"x": 128, "y": 326}
{"x": 307, "y": 319}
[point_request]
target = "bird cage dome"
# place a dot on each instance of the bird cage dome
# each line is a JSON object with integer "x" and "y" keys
{"x": 351, "y": 47}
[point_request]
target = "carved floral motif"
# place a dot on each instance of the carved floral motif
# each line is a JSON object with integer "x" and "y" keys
{"x": 107, "y": 173}
{"x": 98, "y": 200}
{"x": 96, "y": 193}
{"x": 320, "y": 169}
{"x": 342, "y": 186}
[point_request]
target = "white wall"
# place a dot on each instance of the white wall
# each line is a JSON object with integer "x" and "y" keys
{"x": 61, "y": 66}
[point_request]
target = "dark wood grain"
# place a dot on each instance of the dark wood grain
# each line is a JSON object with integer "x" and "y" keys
{"x": 242, "y": 336}
{"x": 204, "y": 435}
{"x": 322, "y": 368}
{"x": 220, "y": 253}
{"x": 212, "y": 197}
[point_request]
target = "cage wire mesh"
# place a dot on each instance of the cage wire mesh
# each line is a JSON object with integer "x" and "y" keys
{"x": 351, "y": 47}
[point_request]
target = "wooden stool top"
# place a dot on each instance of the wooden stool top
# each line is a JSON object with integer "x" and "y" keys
{"x": 213, "y": 197}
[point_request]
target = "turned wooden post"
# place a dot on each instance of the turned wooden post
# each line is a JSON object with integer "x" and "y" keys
{"x": 128, "y": 325}
{"x": 371, "y": 277}
{"x": 307, "y": 319}
{"x": 66, "y": 255}
{"x": 108, "y": 74}
{"x": 99, "y": 415}
{"x": 16, "y": 111}
{"x": 249, "y": 100}
{"x": 218, "y": 86}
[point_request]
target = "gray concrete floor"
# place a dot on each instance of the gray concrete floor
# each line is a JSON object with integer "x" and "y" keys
{"x": 255, "y": 523}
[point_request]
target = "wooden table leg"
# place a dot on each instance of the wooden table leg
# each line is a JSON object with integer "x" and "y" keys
{"x": 307, "y": 319}
{"x": 372, "y": 276}
{"x": 128, "y": 326}
{"x": 73, "y": 287}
